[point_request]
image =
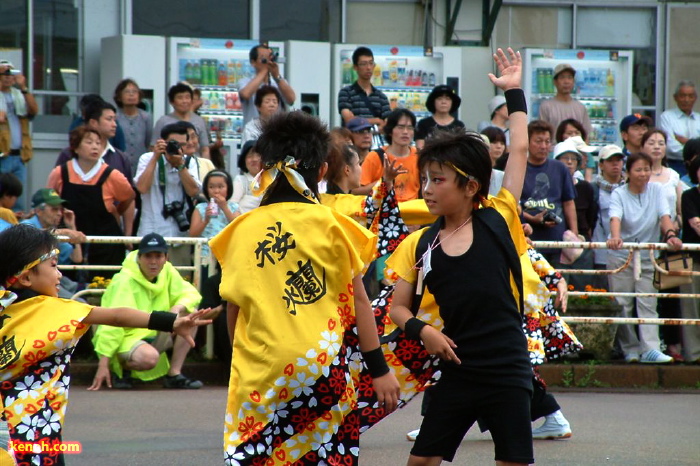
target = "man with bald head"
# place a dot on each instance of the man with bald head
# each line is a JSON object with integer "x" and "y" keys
{"x": 680, "y": 124}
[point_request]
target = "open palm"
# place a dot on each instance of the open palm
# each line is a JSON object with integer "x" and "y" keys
{"x": 509, "y": 69}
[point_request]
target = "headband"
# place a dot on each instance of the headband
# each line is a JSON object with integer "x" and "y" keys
{"x": 44, "y": 257}
{"x": 286, "y": 167}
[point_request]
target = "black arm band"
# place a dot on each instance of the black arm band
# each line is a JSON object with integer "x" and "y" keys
{"x": 163, "y": 321}
{"x": 413, "y": 327}
{"x": 670, "y": 233}
{"x": 376, "y": 364}
{"x": 515, "y": 100}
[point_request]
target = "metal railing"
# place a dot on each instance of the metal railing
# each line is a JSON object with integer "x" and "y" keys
{"x": 632, "y": 247}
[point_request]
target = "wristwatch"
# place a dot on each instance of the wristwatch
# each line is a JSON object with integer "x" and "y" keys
{"x": 24, "y": 91}
{"x": 278, "y": 78}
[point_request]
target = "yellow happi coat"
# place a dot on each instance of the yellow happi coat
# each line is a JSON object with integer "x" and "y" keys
{"x": 289, "y": 266}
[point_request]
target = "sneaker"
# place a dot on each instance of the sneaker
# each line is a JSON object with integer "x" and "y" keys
{"x": 411, "y": 436}
{"x": 181, "y": 381}
{"x": 631, "y": 358}
{"x": 554, "y": 428}
{"x": 125, "y": 382}
{"x": 655, "y": 357}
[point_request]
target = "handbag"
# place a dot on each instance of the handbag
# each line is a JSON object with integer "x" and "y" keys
{"x": 673, "y": 263}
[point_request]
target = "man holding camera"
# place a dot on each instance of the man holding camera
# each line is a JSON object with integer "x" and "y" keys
{"x": 267, "y": 71}
{"x": 17, "y": 108}
{"x": 166, "y": 179}
{"x": 548, "y": 193}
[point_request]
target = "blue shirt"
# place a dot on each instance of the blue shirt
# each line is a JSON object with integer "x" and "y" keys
{"x": 4, "y": 225}
{"x": 66, "y": 249}
{"x": 547, "y": 187}
{"x": 215, "y": 225}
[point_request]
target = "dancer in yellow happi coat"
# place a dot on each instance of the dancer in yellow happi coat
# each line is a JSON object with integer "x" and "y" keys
{"x": 291, "y": 273}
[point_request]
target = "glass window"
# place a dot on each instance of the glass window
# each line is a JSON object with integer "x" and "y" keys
{"x": 314, "y": 20}
{"x": 534, "y": 26}
{"x": 13, "y": 32}
{"x": 185, "y": 18}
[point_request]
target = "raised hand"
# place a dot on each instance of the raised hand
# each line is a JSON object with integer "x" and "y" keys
{"x": 509, "y": 69}
{"x": 392, "y": 169}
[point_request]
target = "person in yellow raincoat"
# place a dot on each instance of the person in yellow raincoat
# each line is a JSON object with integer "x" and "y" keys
{"x": 38, "y": 333}
{"x": 292, "y": 275}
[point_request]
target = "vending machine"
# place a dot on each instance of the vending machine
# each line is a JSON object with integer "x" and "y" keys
{"x": 216, "y": 66}
{"x": 603, "y": 85}
{"x": 405, "y": 73}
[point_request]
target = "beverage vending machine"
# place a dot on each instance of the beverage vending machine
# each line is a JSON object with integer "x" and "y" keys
{"x": 603, "y": 85}
{"x": 216, "y": 66}
{"x": 406, "y": 74}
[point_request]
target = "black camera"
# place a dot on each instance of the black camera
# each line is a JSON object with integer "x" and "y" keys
{"x": 176, "y": 210}
{"x": 173, "y": 147}
{"x": 550, "y": 216}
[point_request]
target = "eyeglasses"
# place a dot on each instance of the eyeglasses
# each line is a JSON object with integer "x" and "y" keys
{"x": 409, "y": 128}
{"x": 363, "y": 131}
{"x": 365, "y": 63}
{"x": 130, "y": 91}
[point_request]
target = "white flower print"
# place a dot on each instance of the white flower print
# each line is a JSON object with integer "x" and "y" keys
{"x": 330, "y": 343}
{"x": 28, "y": 388}
{"x": 49, "y": 421}
{"x": 302, "y": 384}
{"x": 321, "y": 443}
{"x": 27, "y": 426}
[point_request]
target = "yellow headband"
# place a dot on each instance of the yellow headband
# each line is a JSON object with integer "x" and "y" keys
{"x": 44, "y": 257}
{"x": 287, "y": 167}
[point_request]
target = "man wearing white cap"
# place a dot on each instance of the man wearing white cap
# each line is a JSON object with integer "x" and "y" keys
{"x": 563, "y": 105}
{"x": 499, "y": 116}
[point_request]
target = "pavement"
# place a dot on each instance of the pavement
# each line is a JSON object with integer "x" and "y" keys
{"x": 153, "y": 427}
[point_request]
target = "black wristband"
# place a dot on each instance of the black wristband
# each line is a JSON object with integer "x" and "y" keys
{"x": 376, "y": 364}
{"x": 670, "y": 233}
{"x": 413, "y": 327}
{"x": 515, "y": 100}
{"x": 163, "y": 321}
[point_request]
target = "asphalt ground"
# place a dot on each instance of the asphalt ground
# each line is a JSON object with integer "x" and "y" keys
{"x": 152, "y": 426}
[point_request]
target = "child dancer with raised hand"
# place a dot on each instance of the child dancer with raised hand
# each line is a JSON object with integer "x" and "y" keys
{"x": 472, "y": 268}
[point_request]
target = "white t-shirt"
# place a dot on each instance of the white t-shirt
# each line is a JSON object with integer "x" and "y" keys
{"x": 640, "y": 215}
{"x": 152, "y": 219}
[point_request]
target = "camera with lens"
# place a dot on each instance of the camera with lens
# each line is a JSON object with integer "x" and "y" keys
{"x": 176, "y": 210}
{"x": 11, "y": 72}
{"x": 274, "y": 57}
{"x": 173, "y": 148}
{"x": 550, "y": 216}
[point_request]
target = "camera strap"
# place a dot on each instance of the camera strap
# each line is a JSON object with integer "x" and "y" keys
{"x": 161, "y": 178}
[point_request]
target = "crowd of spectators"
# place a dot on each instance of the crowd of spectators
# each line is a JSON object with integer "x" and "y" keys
{"x": 124, "y": 174}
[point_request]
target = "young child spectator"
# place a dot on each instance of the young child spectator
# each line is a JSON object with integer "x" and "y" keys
{"x": 209, "y": 218}
{"x": 36, "y": 382}
{"x": 249, "y": 164}
{"x": 10, "y": 190}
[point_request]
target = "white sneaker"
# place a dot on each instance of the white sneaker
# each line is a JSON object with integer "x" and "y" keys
{"x": 411, "y": 436}
{"x": 655, "y": 357}
{"x": 631, "y": 357}
{"x": 555, "y": 427}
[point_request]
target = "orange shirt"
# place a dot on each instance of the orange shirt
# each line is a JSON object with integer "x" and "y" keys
{"x": 406, "y": 185}
{"x": 115, "y": 189}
